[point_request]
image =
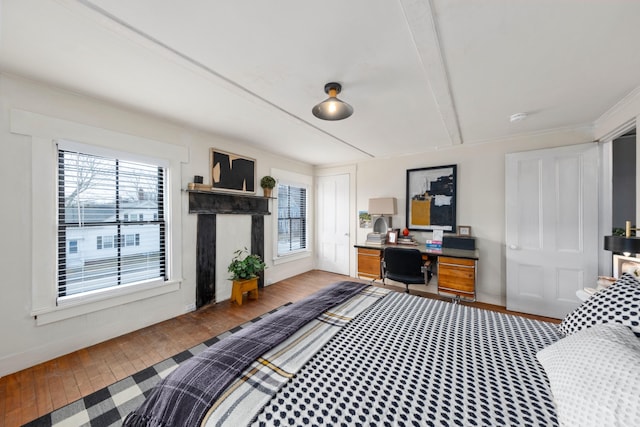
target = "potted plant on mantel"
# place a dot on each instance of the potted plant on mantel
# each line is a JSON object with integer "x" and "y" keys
{"x": 244, "y": 269}
{"x": 267, "y": 183}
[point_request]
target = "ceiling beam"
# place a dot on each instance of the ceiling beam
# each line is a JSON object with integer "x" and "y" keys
{"x": 419, "y": 15}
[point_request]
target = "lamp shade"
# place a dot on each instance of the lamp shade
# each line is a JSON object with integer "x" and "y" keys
{"x": 382, "y": 206}
{"x": 622, "y": 244}
{"x": 332, "y": 108}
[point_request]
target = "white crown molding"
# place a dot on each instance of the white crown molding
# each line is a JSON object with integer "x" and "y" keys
{"x": 620, "y": 118}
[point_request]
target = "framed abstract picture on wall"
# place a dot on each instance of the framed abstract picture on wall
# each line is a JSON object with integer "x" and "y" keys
{"x": 232, "y": 172}
{"x": 431, "y": 198}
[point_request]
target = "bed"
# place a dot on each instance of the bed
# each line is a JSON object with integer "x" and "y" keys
{"x": 354, "y": 354}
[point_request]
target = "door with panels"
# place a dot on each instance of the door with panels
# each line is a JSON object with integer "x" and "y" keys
{"x": 551, "y": 228}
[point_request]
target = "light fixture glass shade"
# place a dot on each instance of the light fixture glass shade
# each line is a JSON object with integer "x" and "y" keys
{"x": 332, "y": 108}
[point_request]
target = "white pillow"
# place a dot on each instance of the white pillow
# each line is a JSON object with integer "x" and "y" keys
{"x": 595, "y": 376}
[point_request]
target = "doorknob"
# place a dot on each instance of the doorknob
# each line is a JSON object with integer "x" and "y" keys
{"x": 346, "y": 234}
{"x": 514, "y": 247}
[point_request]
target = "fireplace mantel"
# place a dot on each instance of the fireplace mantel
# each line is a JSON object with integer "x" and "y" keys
{"x": 209, "y": 202}
{"x": 207, "y": 205}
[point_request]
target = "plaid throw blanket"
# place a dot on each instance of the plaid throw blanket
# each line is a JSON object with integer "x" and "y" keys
{"x": 243, "y": 399}
{"x": 183, "y": 398}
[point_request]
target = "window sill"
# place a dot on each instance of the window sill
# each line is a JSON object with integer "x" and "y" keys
{"x": 293, "y": 257}
{"x": 82, "y": 306}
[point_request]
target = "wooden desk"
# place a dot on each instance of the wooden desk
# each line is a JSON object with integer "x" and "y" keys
{"x": 457, "y": 269}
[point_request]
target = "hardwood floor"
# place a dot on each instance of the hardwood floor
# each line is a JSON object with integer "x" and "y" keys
{"x": 31, "y": 393}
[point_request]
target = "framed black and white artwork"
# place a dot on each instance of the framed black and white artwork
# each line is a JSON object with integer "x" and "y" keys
{"x": 232, "y": 172}
{"x": 431, "y": 198}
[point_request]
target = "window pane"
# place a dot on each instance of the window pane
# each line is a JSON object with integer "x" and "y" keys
{"x": 292, "y": 219}
{"x": 107, "y": 242}
{"x": 101, "y": 201}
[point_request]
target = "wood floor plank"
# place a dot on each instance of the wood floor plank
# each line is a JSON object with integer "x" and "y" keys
{"x": 3, "y": 400}
{"x": 36, "y": 391}
{"x": 43, "y": 395}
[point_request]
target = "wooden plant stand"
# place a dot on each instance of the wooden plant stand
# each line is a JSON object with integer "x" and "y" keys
{"x": 242, "y": 286}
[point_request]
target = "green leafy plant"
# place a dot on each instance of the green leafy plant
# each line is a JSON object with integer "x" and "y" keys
{"x": 267, "y": 182}
{"x": 245, "y": 265}
{"x": 619, "y": 232}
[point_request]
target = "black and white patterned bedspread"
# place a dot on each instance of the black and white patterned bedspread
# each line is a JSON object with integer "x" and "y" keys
{"x": 411, "y": 361}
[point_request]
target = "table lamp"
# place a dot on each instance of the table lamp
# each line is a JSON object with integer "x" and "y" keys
{"x": 381, "y": 210}
{"x": 626, "y": 244}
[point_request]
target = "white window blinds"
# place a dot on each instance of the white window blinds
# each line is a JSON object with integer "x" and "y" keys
{"x": 292, "y": 219}
{"x": 111, "y": 223}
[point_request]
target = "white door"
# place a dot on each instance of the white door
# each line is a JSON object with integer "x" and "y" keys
{"x": 551, "y": 228}
{"x": 333, "y": 223}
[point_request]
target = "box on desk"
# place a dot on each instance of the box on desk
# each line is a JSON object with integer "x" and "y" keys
{"x": 459, "y": 242}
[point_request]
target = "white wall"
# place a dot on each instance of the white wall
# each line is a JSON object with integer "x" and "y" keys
{"x": 24, "y": 344}
{"x": 480, "y": 195}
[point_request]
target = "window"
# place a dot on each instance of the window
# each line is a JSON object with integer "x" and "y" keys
{"x": 93, "y": 193}
{"x": 107, "y": 242}
{"x": 292, "y": 219}
{"x": 46, "y": 137}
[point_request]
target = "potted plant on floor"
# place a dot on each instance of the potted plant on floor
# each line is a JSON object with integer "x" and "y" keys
{"x": 244, "y": 269}
{"x": 267, "y": 183}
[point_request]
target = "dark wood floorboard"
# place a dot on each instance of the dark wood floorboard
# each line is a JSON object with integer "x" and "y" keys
{"x": 31, "y": 393}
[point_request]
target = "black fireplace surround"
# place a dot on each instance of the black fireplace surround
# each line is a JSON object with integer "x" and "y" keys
{"x": 207, "y": 205}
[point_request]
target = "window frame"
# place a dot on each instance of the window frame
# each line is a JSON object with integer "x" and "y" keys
{"x": 296, "y": 180}
{"x": 112, "y": 244}
{"x": 303, "y": 218}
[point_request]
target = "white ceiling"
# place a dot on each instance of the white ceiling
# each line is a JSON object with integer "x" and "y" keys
{"x": 420, "y": 74}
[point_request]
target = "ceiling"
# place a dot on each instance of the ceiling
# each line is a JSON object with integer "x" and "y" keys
{"x": 420, "y": 74}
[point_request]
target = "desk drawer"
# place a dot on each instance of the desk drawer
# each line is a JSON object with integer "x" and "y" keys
{"x": 461, "y": 262}
{"x": 371, "y": 252}
{"x": 369, "y": 262}
{"x": 457, "y": 275}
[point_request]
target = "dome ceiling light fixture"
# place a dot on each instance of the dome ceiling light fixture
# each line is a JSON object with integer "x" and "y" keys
{"x": 332, "y": 108}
